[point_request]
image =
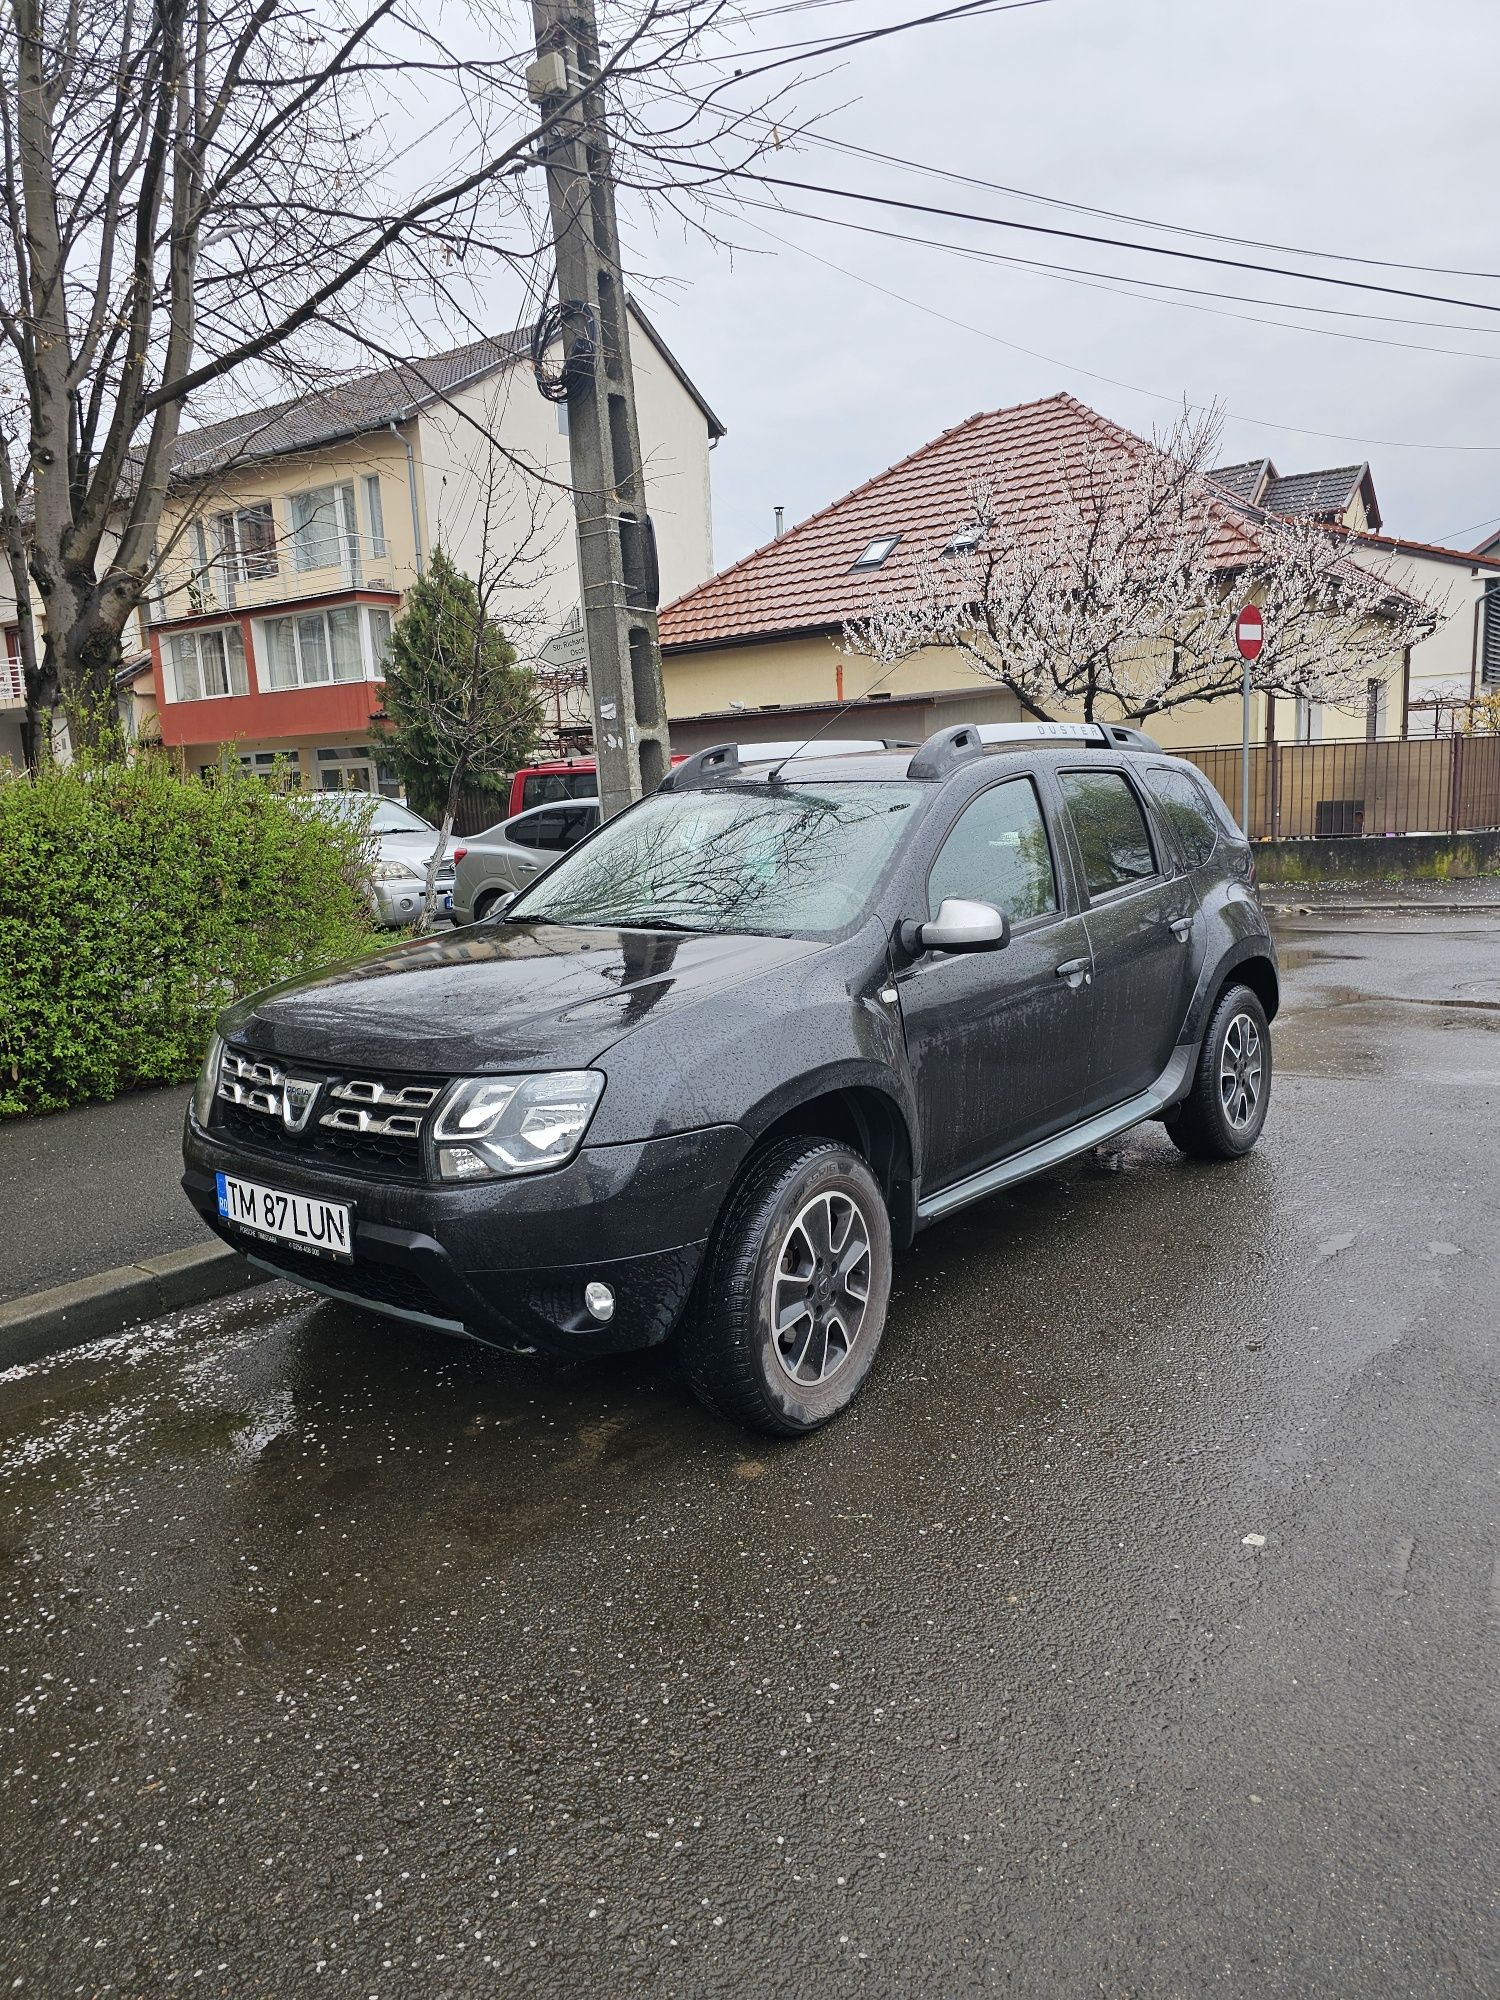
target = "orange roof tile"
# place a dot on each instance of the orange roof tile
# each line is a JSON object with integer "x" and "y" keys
{"x": 802, "y": 581}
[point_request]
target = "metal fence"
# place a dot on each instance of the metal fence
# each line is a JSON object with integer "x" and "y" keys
{"x": 1364, "y": 787}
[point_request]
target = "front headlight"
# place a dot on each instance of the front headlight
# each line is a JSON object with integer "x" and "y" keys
{"x": 493, "y": 1125}
{"x": 393, "y": 871}
{"x": 208, "y": 1082}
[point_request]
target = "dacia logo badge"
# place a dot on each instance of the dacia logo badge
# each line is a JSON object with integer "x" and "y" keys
{"x": 298, "y": 1096}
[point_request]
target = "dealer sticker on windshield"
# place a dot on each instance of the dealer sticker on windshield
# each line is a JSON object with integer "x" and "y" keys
{"x": 322, "y": 1228}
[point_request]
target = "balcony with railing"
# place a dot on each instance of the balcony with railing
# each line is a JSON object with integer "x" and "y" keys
{"x": 323, "y": 542}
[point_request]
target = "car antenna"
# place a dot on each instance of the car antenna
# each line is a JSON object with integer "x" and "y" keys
{"x": 774, "y": 777}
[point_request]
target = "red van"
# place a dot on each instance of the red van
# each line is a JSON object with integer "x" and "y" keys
{"x": 550, "y": 784}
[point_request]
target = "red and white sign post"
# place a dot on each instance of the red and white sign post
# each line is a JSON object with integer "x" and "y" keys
{"x": 1249, "y": 637}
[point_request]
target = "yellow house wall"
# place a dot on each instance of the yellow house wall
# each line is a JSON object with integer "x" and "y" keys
{"x": 779, "y": 672}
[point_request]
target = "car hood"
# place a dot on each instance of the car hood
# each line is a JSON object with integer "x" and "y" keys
{"x": 412, "y": 850}
{"x": 497, "y": 996}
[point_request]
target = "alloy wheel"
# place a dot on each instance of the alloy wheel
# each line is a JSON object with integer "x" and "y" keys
{"x": 821, "y": 1289}
{"x": 1241, "y": 1067}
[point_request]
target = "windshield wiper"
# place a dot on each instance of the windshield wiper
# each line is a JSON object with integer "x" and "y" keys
{"x": 650, "y": 920}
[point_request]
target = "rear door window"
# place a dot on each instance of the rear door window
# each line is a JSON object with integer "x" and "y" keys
{"x": 997, "y": 852}
{"x": 549, "y": 830}
{"x": 1113, "y": 838}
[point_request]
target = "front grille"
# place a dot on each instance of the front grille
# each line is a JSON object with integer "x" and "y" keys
{"x": 370, "y": 1123}
{"x": 381, "y": 1284}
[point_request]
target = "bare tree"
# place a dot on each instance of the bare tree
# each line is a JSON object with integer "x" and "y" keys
{"x": 1120, "y": 596}
{"x": 194, "y": 193}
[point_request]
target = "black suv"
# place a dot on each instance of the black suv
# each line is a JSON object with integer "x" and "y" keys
{"x": 700, "y": 1078}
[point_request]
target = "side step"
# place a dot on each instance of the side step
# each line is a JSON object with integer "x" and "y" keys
{"x": 1065, "y": 1145}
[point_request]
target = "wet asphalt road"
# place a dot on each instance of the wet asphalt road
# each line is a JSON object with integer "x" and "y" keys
{"x": 342, "y": 1660}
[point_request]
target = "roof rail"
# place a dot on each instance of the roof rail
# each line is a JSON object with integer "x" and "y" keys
{"x": 945, "y": 749}
{"x": 722, "y": 761}
{"x": 1103, "y": 735}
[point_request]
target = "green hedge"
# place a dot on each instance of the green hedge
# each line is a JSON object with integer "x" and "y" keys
{"x": 135, "y": 904}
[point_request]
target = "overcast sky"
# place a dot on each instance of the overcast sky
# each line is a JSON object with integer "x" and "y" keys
{"x": 1363, "y": 128}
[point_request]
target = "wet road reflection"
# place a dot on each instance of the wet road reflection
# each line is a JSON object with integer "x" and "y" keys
{"x": 1134, "y": 1633}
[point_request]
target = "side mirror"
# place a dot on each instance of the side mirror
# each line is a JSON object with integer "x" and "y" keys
{"x": 961, "y": 925}
{"x": 501, "y": 904}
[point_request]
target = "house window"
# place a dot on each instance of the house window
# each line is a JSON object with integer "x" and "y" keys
{"x": 356, "y": 769}
{"x": 380, "y": 637}
{"x": 279, "y": 767}
{"x": 199, "y": 589}
{"x": 12, "y": 674}
{"x": 325, "y": 533}
{"x": 375, "y": 517}
{"x": 1489, "y": 642}
{"x": 247, "y": 542}
{"x": 203, "y": 665}
{"x": 876, "y": 552}
{"x": 311, "y": 648}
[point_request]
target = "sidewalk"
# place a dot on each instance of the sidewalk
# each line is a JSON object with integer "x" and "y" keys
{"x": 89, "y": 1190}
{"x": 1458, "y": 894}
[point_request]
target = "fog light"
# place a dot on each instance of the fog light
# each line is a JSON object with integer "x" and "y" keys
{"x": 600, "y": 1300}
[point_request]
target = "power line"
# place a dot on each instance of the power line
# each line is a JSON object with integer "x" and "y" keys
{"x": 1114, "y": 381}
{"x": 1137, "y": 221}
{"x": 1472, "y": 528}
{"x": 816, "y": 51}
{"x": 1120, "y": 283}
{"x": 1109, "y": 242}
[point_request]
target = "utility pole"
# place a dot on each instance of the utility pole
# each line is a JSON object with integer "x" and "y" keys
{"x": 616, "y": 543}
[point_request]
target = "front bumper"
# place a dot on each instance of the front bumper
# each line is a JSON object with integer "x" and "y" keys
{"x": 400, "y": 903}
{"x": 506, "y": 1261}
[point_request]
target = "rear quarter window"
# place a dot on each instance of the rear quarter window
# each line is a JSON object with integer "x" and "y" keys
{"x": 1188, "y": 810}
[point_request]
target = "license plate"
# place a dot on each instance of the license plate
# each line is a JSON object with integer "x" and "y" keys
{"x": 322, "y": 1228}
{"x": 447, "y": 902}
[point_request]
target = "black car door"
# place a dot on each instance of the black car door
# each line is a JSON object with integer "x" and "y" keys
{"x": 998, "y": 1040}
{"x": 1139, "y": 919}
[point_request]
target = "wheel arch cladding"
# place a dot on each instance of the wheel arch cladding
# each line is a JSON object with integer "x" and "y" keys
{"x": 872, "y": 1124}
{"x": 1259, "y": 974}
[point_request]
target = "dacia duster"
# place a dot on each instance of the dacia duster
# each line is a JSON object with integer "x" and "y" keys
{"x": 702, "y": 1077}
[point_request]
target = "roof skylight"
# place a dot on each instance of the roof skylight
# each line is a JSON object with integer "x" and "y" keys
{"x": 964, "y": 542}
{"x": 876, "y": 553}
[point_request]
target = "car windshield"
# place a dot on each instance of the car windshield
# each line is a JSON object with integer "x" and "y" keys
{"x": 786, "y": 860}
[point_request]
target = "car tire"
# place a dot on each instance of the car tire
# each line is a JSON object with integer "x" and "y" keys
{"x": 484, "y": 904}
{"x": 1222, "y": 1115}
{"x": 785, "y": 1236}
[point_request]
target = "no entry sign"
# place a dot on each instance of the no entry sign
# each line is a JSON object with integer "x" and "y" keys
{"x": 1249, "y": 633}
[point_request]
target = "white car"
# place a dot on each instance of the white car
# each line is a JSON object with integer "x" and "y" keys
{"x": 403, "y": 847}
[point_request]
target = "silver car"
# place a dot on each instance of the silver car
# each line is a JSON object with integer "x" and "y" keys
{"x": 403, "y": 846}
{"x": 506, "y": 857}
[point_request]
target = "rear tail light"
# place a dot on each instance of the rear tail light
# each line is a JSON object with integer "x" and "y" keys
{"x": 458, "y": 855}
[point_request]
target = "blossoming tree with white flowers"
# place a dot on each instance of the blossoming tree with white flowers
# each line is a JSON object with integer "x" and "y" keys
{"x": 1120, "y": 599}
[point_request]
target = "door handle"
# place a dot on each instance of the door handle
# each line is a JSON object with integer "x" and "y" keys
{"x": 1181, "y": 928}
{"x": 1077, "y": 971}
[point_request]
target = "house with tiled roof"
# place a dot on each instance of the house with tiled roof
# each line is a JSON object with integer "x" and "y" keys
{"x": 757, "y": 651}
{"x": 1343, "y": 495}
{"x": 294, "y": 530}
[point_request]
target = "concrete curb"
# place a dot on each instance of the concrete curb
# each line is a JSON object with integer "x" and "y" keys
{"x": 1382, "y": 909}
{"x": 43, "y": 1323}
